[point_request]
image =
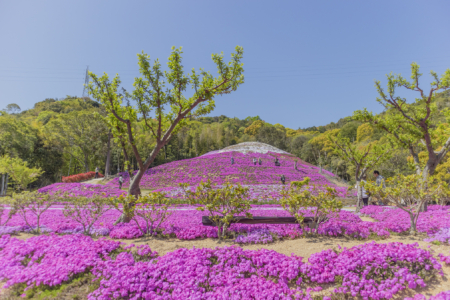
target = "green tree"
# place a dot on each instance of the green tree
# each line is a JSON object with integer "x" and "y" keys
{"x": 362, "y": 158}
{"x": 272, "y": 136}
{"x": 222, "y": 204}
{"x": 17, "y": 138}
{"x": 164, "y": 110}
{"x": 82, "y": 134}
{"x": 298, "y": 199}
{"x": 410, "y": 126}
{"x": 364, "y": 132}
{"x": 19, "y": 171}
{"x": 350, "y": 130}
{"x": 12, "y": 108}
{"x": 254, "y": 128}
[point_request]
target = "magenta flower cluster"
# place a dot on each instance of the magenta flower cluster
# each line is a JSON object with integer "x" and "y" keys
{"x": 441, "y": 296}
{"x": 396, "y": 220}
{"x": 49, "y": 259}
{"x": 371, "y": 270}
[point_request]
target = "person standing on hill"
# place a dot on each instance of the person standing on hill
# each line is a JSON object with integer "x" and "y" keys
{"x": 283, "y": 179}
{"x": 232, "y": 160}
{"x": 277, "y": 162}
{"x": 120, "y": 182}
{"x": 96, "y": 172}
{"x": 254, "y": 161}
{"x": 260, "y": 161}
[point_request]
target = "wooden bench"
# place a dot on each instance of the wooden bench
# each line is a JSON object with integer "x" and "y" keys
{"x": 309, "y": 221}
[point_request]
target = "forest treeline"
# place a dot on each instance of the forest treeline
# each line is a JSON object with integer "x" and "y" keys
{"x": 70, "y": 136}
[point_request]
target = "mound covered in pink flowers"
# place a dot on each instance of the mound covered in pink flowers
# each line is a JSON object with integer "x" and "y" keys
{"x": 262, "y": 179}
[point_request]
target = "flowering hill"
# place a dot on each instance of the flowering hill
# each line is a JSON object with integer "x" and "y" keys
{"x": 263, "y": 179}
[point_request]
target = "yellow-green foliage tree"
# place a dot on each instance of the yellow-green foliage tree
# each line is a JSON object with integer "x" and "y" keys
{"x": 253, "y": 129}
{"x": 299, "y": 198}
{"x": 323, "y": 145}
{"x": 410, "y": 125}
{"x": 222, "y": 204}
{"x": 291, "y": 132}
{"x": 19, "y": 171}
{"x": 161, "y": 102}
{"x": 364, "y": 132}
{"x": 362, "y": 158}
{"x": 323, "y": 142}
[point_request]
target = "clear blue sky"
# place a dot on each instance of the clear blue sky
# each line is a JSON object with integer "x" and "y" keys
{"x": 306, "y": 62}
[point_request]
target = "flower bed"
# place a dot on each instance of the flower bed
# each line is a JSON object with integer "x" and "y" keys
{"x": 80, "y": 177}
{"x": 370, "y": 270}
{"x": 441, "y": 296}
{"x": 396, "y": 220}
{"x": 185, "y": 223}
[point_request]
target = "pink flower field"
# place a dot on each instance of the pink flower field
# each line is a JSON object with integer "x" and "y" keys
{"x": 221, "y": 273}
{"x": 185, "y": 223}
{"x": 62, "y": 254}
{"x": 263, "y": 180}
{"x": 369, "y": 270}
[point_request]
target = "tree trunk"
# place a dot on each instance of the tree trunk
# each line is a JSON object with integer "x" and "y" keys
{"x": 412, "y": 229}
{"x": 86, "y": 163}
{"x": 126, "y": 160}
{"x": 3, "y": 185}
{"x": 108, "y": 156}
{"x": 359, "y": 200}
{"x": 427, "y": 171}
{"x": 6, "y": 184}
{"x": 134, "y": 190}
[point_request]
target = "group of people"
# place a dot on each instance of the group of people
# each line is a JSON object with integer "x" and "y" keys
{"x": 379, "y": 180}
{"x": 259, "y": 161}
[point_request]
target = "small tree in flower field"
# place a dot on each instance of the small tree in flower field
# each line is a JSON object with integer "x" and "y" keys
{"x": 86, "y": 210}
{"x": 222, "y": 204}
{"x": 300, "y": 196}
{"x": 362, "y": 157}
{"x": 30, "y": 206}
{"x": 162, "y": 106}
{"x": 11, "y": 212}
{"x": 153, "y": 209}
{"x": 409, "y": 193}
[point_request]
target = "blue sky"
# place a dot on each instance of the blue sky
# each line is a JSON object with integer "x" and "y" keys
{"x": 306, "y": 62}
